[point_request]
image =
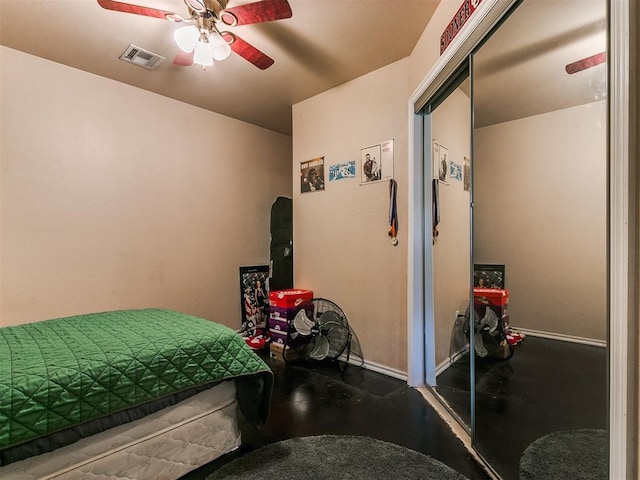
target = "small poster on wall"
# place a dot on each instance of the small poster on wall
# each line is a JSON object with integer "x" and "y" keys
{"x": 466, "y": 177}
{"x": 376, "y": 162}
{"x": 455, "y": 171}
{"x": 441, "y": 163}
{"x": 488, "y": 275}
{"x": 312, "y": 175}
{"x": 342, "y": 170}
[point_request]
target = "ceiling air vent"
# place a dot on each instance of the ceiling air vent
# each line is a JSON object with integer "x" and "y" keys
{"x": 141, "y": 57}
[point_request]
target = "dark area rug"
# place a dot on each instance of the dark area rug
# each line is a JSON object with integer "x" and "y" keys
{"x": 333, "y": 456}
{"x": 571, "y": 454}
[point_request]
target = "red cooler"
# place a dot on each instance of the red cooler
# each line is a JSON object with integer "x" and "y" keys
{"x": 495, "y": 298}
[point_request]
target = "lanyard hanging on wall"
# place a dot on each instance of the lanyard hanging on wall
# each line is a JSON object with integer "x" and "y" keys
{"x": 435, "y": 209}
{"x": 393, "y": 212}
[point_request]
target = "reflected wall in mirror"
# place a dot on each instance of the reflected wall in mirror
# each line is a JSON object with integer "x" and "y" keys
{"x": 451, "y": 133}
{"x": 540, "y": 209}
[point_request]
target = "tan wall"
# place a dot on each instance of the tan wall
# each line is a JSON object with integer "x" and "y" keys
{"x": 540, "y": 208}
{"x": 113, "y": 197}
{"x": 342, "y": 250}
{"x": 427, "y": 50}
{"x": 451, "y": 127}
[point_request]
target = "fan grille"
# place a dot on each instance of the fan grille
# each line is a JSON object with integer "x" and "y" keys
{"x": 321, "y": 331}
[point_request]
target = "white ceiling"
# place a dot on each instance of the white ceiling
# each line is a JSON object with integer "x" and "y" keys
{"x": 520, "y": 70}
{"x": 324, "y": 44}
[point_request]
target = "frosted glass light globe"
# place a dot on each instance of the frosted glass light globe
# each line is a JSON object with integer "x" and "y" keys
{"x": 203, "y": 54}
{"x": 187, "y": 37}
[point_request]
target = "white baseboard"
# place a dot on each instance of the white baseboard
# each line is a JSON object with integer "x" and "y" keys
{"x": 391, "y": 372}
{"x": 376, "y": 367}
{"x": 447, "y": 362}
{"x": 563, "y": 338}
{"x": 400, "y": 375}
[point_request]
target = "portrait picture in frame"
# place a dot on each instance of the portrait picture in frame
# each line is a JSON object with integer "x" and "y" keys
{"x": 488, "y": 275}
{"x": 441, "y": 163}
{"x": 254, "y": 297}
{"x": 466, "y": 177}
{"x": 371, "y": 163}
{"x": 376, "y": 163}
{"x": 312, "y": 175}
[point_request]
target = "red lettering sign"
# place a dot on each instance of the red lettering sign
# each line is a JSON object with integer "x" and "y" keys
{"x": 455, "y": 25}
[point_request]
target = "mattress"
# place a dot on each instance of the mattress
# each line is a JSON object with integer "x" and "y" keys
{"x": 164, "y": 445}
{"x": 72, "y": 372}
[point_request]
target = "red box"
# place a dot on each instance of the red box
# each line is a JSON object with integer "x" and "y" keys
{"x": 283, "y": 306}
{"x": 289, "y": 299}
{"x": 495, "y": 298}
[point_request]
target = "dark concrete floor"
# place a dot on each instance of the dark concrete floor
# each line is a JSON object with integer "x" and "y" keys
{"x": 547, "y": 386}
{"x": 316, "y": 399}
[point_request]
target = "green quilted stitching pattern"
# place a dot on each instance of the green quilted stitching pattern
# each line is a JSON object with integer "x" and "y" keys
{"x": 60, "y": 373}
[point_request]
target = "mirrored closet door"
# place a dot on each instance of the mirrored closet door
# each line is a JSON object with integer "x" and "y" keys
{"x": 450, "y": 147}
{"x": 540, "y": 210}
{"x": 534, "y": 209}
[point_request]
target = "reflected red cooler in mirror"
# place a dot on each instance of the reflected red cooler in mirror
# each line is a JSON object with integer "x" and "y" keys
{"x": 498, "y": 300}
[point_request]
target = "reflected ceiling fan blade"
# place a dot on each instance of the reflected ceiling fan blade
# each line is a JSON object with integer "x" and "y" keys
{"x": 248, "y": 51}
{"x": 585, "y": 63}
{"x": 257, "y": 12}
{"x": 184, "y": 59}
{"x": 139, "y": 10}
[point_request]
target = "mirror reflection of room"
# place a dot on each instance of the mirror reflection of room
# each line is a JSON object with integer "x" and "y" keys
{"x": 450, "y": 131}
{"x": 539, "y": 217}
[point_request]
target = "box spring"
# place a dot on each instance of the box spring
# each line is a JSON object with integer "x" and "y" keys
{"x": 166, "y": 444}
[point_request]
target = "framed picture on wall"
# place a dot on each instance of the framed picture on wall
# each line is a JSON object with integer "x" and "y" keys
{"x": 488, "y": 275}
{"x": 441, "y": 163}
{"x": 254, "y": 296}
{"x": 376, "y": 162}
{"x": 371, "y": 163}
{"x": 455, "y": 171}
{"x": 466, "y": 174}
{"x": 312, "y": 175}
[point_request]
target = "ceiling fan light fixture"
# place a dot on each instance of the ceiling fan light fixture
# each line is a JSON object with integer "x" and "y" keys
{"x": 203, "y": 54}
{"x": 219, "y": 46}
{"x": 220, "y": 52}
{"x": 187, "y": 37}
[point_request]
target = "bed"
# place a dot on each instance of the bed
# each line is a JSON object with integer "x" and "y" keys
{"x": 131, "y": 394}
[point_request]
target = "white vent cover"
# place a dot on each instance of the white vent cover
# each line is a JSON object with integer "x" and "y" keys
{"x": 141, "y": 57}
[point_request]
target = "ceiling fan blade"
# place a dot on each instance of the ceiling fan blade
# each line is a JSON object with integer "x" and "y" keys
{"x": 257, "y": 12}
{"x": 139, "y": 10}
{"x": 585, "y": 63}
{"x": 248, "y": 51}
{"x": 183, "y": 59}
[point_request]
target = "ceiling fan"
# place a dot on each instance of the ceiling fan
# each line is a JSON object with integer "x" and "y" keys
{"x": 585, "y": 63}
{"x": 204, "y": 39}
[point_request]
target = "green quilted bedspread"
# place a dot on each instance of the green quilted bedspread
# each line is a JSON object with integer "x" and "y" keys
{"x": 60, "y": 373}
